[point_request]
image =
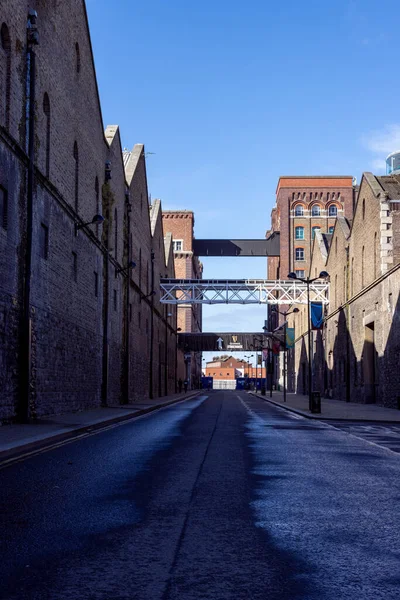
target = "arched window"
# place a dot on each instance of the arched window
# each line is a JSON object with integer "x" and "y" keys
{"x": 331, "y": 229}
{"x": 314, "y": 231}
{"x": 299, "y": 210}
{"x": 332, "y": 210}
{"x": 46, "y": 110}
{"x": 97, "y": 195}
{"x": 299, "y": 233}
{"x": 77, "y": 58}
{"x": 76, "y": 158}
{"x": 363, "y": 209}
{"x": 5, "y": 85}
{"x": 316, "y": 210}
{"x": 362, "y": 266}
{"x": 116, "y": 234}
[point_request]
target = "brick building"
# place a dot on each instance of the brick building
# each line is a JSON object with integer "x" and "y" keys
{"x": 305, "y": 205}
{"x": 180, "y": 224}
{"x": 228, "y": 369}
{"x": 78, "y": 328}
{"x": 357, "y": 353}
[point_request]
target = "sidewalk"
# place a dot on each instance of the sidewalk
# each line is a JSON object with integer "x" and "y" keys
{"x": 18, "y": 439}
{"x": 334, "y": 410}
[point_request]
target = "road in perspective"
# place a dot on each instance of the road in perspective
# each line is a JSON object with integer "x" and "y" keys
{"x": 221, "y": 496}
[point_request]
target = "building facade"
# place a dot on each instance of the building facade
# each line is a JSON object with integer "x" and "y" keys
{"x": 305, "y": 205}
{"x": 79, "y": 326}
{"x": 355, "y": 356}
{"x": 180, "y": 224}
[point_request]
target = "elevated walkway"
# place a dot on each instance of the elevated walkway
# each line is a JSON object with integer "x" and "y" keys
{"x": 241, "y": 291}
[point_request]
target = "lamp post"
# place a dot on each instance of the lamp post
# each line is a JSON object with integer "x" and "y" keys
{"x": 97, "y": 219}
{"x": 285, "y": 315}
{"x": 307, "y": 281}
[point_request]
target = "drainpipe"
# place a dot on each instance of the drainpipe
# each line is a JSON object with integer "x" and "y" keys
{"x": 151, "y": 329}
{"x": 104, "y": 386}
{"x": 26, "y": 330}
{"x": 348, "y": 366}
{"x": 127, "y": 300}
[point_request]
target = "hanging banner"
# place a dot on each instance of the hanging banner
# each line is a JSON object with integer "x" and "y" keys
{"x": 317, "y": 315}
{"x": 289, "y": 337}
{"x": 276, "y": 348}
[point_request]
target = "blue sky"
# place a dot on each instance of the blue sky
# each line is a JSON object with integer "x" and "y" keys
{"x": 230, "y": 95}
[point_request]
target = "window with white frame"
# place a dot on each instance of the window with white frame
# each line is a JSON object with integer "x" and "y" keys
{"x": 299, "y": 233}
{"x": 316, "y": 210}
{"x": 299, "y": 253}
{"x": 299, "y": 210}
{"x": 300, "y": 273}
{"x": 333, "y": 211}
{"x": 178, "y": 245}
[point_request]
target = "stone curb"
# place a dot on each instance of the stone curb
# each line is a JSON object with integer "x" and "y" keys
{"x": 320, "y": 417}
{"x": 18, "y": 451}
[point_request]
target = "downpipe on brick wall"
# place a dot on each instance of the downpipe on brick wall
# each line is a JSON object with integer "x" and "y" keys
{"x": 32, "y": 37}
{"x": 151, "y": 329}
{"x": 104, "y": 383}
{"x": 125, "y": 398}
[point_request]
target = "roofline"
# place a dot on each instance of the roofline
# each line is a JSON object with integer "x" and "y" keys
{"x": 313, "y": 177}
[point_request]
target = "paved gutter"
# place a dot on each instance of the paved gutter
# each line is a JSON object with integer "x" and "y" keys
{"x": 49, "y": 440}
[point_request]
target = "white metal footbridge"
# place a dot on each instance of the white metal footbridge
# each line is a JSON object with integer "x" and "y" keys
{"x": 241, "y": 291}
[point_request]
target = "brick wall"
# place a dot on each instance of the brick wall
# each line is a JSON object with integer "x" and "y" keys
{"x": 90, "y": 317}
{"x": 356, "y": 355}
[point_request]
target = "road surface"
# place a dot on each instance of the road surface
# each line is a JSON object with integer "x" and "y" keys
{"x": 220, "y": 497}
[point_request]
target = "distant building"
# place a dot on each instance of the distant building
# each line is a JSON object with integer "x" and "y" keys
{"x": 226, "y": 369}
{"x": 180, "y": 223}
{"x": 305, "y": 205}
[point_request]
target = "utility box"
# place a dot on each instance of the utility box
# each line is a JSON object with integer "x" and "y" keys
{"x": 316, "y": 402}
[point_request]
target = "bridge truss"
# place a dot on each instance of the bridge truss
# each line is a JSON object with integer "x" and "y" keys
{"x": 241, "y": 291}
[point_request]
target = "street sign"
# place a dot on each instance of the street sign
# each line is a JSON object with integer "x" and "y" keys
{"x": 220, "y": 343}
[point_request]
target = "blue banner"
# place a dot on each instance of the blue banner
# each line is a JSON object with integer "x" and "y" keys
{"x": 289, "y": 337}
{"x": 317, "y": 315}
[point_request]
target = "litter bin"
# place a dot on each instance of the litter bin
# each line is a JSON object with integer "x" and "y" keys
{"x": 316, "y": 402}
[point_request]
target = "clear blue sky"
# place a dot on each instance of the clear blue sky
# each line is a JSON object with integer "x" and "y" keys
{"x": 230, "y": 95}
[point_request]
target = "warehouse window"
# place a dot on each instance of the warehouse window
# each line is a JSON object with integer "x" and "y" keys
{"x": 299, "y": 210}
{"x": 333, "y": 211}
{"x": 46, "y": 110}
{"x": 77, "y": 58}
{"x": 177, "y": 245}
{"x": 316, "y": 210}
{"x": 299, "y": 253}
{"x": 6, "y": 47}
{"x": 75, "y": 266}
{"x": 44, "y": 241}
{"x": 3, "y": 208}
{"x": 299, "y": 233}
{"x": 76, "y": 158}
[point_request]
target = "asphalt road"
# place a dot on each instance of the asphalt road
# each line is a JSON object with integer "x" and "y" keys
{"x": 220, "y": 497}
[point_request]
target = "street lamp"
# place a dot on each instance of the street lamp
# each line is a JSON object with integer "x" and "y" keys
{"x": 307, "y": 281}
{"x": 285, "y": 314}
{"x": 97, "y": 219}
